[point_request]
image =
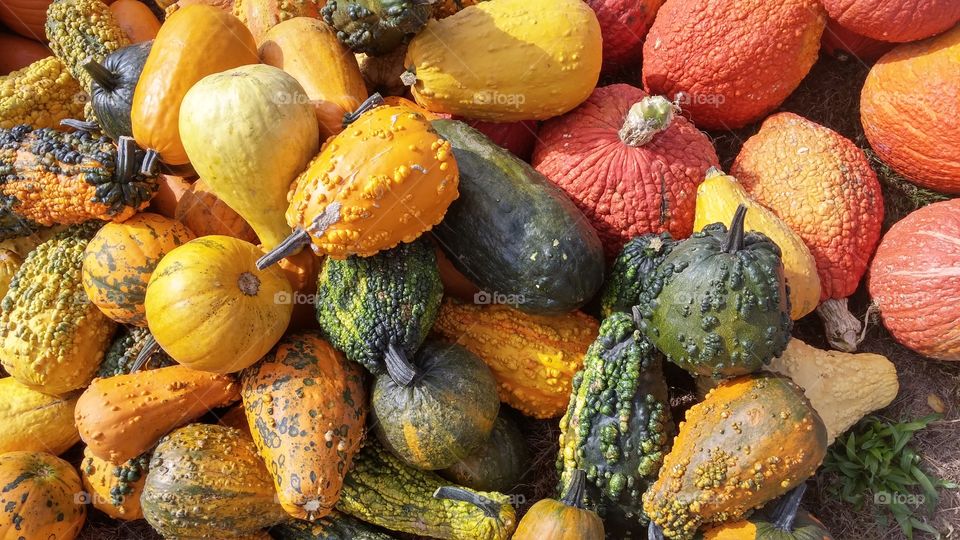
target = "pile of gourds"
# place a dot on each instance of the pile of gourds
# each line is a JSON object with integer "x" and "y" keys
{"x": 267, "y": 298}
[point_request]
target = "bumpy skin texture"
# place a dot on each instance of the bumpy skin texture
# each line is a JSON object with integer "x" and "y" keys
{"x": 623, "y": 24}
{"x": 127, "y": 344}
{"x": 215, "y": 472}
{"x": 381, "y": 490}
{"x": 910, "y": 113}
{"x": 303, "y": 391}
{"x": 751, "y": 440}
{"x": 336, "y": 526}
{"x": 51, "y": 337}
{"x": 840, "y": 42}
{"x": 40, "y": 95}
{"x": 366, "y": 304}
{"x": 898, "y": 21}
{"x": 39, "y": 497}
{"x": 915, "y": 280}
{"x": 533, "y": 357}
{"x": 36, "y": 422}
{"x": 617, "y": 427}
{"x": 115, "y": 489}
{"x": 735, "y": 61}
{"x": 80, "y": 30}
{"x": 822, "y": 186}
{"x": 262, "y": 15}
{"x": 632, "y": 269}
{"x": 112, "y": 97}
{"x": 624, "y": 190}
{"x": 498, "y": 465}
{"x": 375, "y": 26}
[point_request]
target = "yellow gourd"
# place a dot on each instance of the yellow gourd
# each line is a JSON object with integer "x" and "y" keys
{"x": 36, "y": 422}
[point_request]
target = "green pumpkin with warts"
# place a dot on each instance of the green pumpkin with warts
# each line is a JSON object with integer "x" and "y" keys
{"x": 635, "y": 265}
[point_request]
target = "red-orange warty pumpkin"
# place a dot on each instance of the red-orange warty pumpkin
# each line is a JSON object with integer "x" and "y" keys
{"x": 910, "y": 110}
{"x": 623, "y": 25}
{"x": 838, "y": 41}
{"x": 895, "y": 20}
{"x": 629, "y": 163}
{"x": 735, "y": 60}
{"x": 915, "y": 280}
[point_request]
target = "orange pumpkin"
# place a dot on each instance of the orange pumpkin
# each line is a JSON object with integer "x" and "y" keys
{"x": 25, "y": 17}
{"x": 301, "y": 271}
{"x": 168, "y": 195}
{"x": 136, "y": 20}
{"x": 895, "y": 20}
{"x": 262, "y": 15}
{"x": 839, "y": 41}
{"x": 19, "y": 52}
{"x": 40, "y": 497}
{"x": 206, "y": 215}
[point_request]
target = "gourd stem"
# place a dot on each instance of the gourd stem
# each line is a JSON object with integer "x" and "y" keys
{"x": 290, "y": 245}
{"x": 400, "y": 369}
{"x": 371, "y": 102}
{"x": 637, "y": 316}
{"x": 149, "y": 347}
{"x": 646, "y": 119}
{"x": 126, "y": 153}
{"x": 101, "y": 75}
{"x": 843, "y": 330}
{"x": 654, "y": 532}
{"x": 489, "y": 507}
{"x": 735, "y": 234}
{"x": 575, "y": 490}
{"x": 786, "y": 511}
{"x": 80, "y": 125}
{"x": 149, "y": 165}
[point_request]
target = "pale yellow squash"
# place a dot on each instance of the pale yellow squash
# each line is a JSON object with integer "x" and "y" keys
{"x": 35, "y": 422}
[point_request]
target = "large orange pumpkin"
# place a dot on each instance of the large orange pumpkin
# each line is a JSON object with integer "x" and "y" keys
{"x": 25, "y": 17}
{"x": 41, "y": 497}
{"x": 895, "y": 20}
{"x": 168, "y": 195}
{"x": 136, "y": 20}
{"x": 839, "y": 41}
{"x": 910, "y": 110}
{"x": 205, "y": 214}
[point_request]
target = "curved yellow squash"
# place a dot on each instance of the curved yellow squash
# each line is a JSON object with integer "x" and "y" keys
{"x": 717, "y": 200}
{"x": 508, "y": 60}
{"x": 35, "y": 422}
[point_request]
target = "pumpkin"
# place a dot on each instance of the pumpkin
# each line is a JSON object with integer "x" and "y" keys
{"x": 566, "y": 519}
{"x": 749, "y": 441}
{"x": 334, "y": 85}
{"x": 541, "y": 58}
{"x": 121, "y": 417}
{"x": 381, "y": 490}
{"x": 336, "y": 526}
{"x": 899, "y": 21}
{"x": 730, "y": 63}
{"x": 25, "y": 17}
{"x": 379, "y": 306}
{"x": 632, "y": 271}
{"x": 785, "y": 521}
{"x": 914, "y": 277}
{"x": 9, "y": 264}
{"x": 924, "y": 152}
{"x": 821, "y": 185}
{"x": 115, "y": 489}
{"x": 39, "y": 497}
{"x": 207, "y": 481}
{"x": 629, "y": 163}
{"x": 623, "y": 26}
{"x": 35, "y": 422}
{"x": 718, "y": 304}
{"x": 532, "y": 357}
{"x": 717, "y": 199}
{"x": 261, "y": 16}
{"x": 210, "y": 308}
{"x": 136, "y": 20}
{"x": 517, "y": 137}
{"x": 498, "y": 465}
{"x": 248, "y": 132}
{"x": 51, "y": 337}
{"x": 840, "y": 42}
{"x": 194, "y": 42}
{"x": 20, "y": 52}
{"x": 617, "y": 427}
{"x": 302, "y": 391}
{"x": 236, "y": 417}
{"x": 437, "y": 409}
{"x": 382, "y": 73}
{"x": 386, "y": 180}
{"x": 206, "y": 215}
{"x": 375, "y": 26}
{"x": 120, "y": 258}
{"x": 127, "y": 345}
{"x": 302, "y": 271}
{"x": 446, "y": 8}
{"x": 170, "y": 7}
{"x": 170, "y": 191}
{"x": 113, "y": 84}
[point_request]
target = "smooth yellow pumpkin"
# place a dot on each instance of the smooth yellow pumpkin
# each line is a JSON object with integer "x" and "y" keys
{"x": 32, "y": 421}
{"x": 209, "y": 307}
{"x": 40, "y": 497}
{"x": 717, "y": 200}
{"x": 508, "y": 60}
{"x": 248, "y": 132}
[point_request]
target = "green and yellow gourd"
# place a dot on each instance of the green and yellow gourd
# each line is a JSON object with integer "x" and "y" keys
{"x": 618, "y": 426}
{"x": 718, "y": 304}
{"x": 381, "y": 490}
{"x": 115, "y": 489}
{"x": 52, "y": 338}
{"x": 335, "y": 526}
{"x": 631, "y": 271}
{"x": 33, "y": 421}
{"x": 123, "y": 351}
{"x": 375, "y": 27}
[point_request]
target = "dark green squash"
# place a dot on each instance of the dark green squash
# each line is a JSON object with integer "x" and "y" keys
{"x": 127, "y": 344}
{"x": 369, "y": 307}
{"x": 336, "y": 526}
{"x": 498, "y": 464}
{"x": 381, "y": 490}
{"x": 634, "y": 266}
{"x": 436, "y": 410}
{"x": 718, "y": 304}
{"x": 515, "y": 234}
{"x": 375, "y": 27}
{"x": 782, "y": 519}
{"x": 618, "y": 426}
{"x": 111, "y": 91}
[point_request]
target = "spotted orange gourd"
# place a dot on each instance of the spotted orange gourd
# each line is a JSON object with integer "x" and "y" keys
{"x": 41, "y": 497}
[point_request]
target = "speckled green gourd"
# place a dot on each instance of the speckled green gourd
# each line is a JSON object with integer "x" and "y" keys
{"x": 381, "y": 490}
{"x": 375, "y": 27}
{"x": 618, "y": 426}
{"x": 367, "y": 306}
{"x": 336, "y": 526}
{"x": 127, "y": 344}
{"x": 634, "y": 266}
{"x": 718, "y": 303}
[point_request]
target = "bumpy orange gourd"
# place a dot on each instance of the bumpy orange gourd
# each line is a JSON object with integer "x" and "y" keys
{"x": 121, "y": 417}
{"x": 895, "y": 20}
{"x": 260, "y": 16}
{"x": 114, "y": 489}
{"x": 533, "y": 357}
{"x": 136, "y": 20}
{"x": 821, "y": 185}
{"x": 734, "y": 61}
{"x": 206, "y": 215}
{"x": 910, "y": 110}
{"x": 39, "y": 498}
{"x": 120, "y": 258}
{"x": 194, "y": 42}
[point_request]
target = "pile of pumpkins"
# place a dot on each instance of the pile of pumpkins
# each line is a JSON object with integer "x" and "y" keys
{"x": 278, "y": 264}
